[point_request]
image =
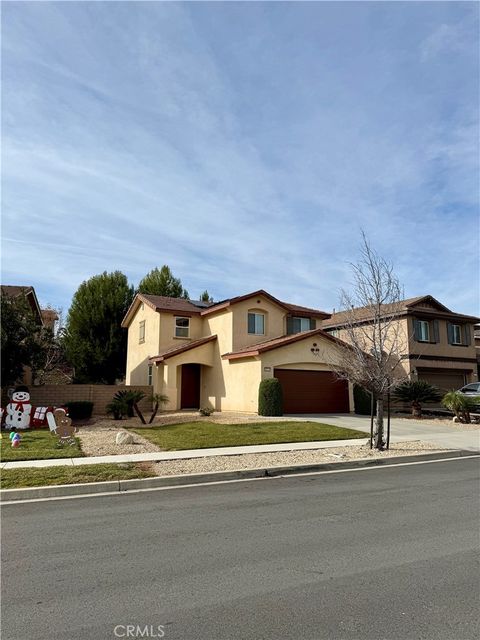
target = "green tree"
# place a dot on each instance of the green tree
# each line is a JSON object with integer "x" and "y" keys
{"x": 460, "y": 405}
{"x": 22, "y": 338}
{"x": 161, "y": 282}
{"x": 94, "y": 340}
{"x": 416, "y": 392}
{"x": 206, "y": 297}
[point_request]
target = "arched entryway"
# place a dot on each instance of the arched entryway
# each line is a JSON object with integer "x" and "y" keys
{"x": 190, "y": 386}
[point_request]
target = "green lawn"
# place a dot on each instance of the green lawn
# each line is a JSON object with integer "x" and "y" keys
{"x": 38, "y": 444}
{"x": 15, "y": 478}
{"x": 201, "y": 435}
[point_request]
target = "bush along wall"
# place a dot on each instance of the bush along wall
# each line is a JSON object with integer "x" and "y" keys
{"x": 270, "y": 400}
{"x": 80, "y": 409}
{"x": 362, "y": 401}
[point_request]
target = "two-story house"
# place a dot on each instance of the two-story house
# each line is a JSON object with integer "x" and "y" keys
{"x": 216, "y": 354}
{"x": 437, "y": 343}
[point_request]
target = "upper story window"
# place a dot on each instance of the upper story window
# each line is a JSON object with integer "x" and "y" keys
{"x": 256, "y": 324}
{"x": 297, "y": 325}
{"x": 141, "y": 332}
{"x": 459, "y": 334}
{"x": 456, "y": 334}
{"x": 423, "y": 331}
{"x": 426, "y": 330}
{"x": 182, "y": 327}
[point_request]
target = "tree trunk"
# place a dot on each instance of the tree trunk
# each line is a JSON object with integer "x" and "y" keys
{"x": 152, "y": 417}
{"x": 416, "y": 410}
{"x": 379, "y": 435}
{"x": 139, "y": 413}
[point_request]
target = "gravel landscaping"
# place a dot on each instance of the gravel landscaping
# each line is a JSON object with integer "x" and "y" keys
{"x": 99, "y": 440}
{"x": 260, "y": 460}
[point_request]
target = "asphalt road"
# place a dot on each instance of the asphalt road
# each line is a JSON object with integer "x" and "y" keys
{"x": 389, "y": 553}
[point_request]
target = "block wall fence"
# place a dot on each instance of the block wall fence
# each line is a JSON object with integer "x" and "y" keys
{"x": 99, "y": 394}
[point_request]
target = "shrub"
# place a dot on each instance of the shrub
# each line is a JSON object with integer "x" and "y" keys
{"x": 460, "y": 404}
{"x": 117, "y": 408}
{"x": 416, "y": 392}
{"x": 206, "y": 411}
{"x": 362, "y": 401}
{"x": 131, "y": 398}
{"x": 79, "y": 409}
{"x": 270, "y": 401}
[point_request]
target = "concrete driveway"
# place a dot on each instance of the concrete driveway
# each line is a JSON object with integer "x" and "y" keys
{"x": 443, "y": 435}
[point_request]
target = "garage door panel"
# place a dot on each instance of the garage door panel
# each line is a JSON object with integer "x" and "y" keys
{"x": 445, "y": 380}
{"x": 312, "y": 391}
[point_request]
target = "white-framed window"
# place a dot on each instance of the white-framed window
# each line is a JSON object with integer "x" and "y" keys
{"x": 256, "y": 324}
{"x": 456, "y": 334}
{"x": 141, "y": 332}
{"x": 182, "y": 327}
{"x": 423, "y": 331}
{"x": 150, "y": 374}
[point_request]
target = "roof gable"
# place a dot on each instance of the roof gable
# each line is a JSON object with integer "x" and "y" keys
{"x": 28, "y": 292}
{"x": 163, "y": 304}
{"x": 426, "y": 302}
{"x": 286, "y": 306}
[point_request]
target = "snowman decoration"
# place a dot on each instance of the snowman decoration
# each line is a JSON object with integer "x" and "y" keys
{"x": 19, "y": 409}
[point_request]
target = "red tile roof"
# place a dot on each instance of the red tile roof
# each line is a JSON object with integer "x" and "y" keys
{"x": 176, "y": 350}
{"x": 197, "y": 307}
{"x": 292, "y": 308}
{"x": 281, "y": 341}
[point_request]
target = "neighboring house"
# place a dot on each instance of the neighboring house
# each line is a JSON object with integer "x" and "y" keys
{"x": 438, "y": 344}
{"x": 477, "y": 347}
{"x": 202, "y": 354}
{"x": 45, "y": 318}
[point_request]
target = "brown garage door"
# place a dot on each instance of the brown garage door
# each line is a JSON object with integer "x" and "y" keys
{"x": 312, "y": 391}
{"x": 444, "y": 379}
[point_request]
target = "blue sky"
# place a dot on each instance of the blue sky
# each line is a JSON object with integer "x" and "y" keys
{"x": 242, "y": 144}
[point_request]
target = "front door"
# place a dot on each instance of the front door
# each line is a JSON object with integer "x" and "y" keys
{"x": 190, "y": 394}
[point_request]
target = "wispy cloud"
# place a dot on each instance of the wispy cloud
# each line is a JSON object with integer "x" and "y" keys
{"x": 243, "y": 145}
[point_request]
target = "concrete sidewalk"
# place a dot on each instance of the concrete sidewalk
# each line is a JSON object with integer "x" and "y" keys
{"x": 160, "y": 456}
{"x": 446, "y": 437}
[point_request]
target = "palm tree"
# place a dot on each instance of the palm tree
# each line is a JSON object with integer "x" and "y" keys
{"x": 131, "y": 397}
{"x": 460, "y": 404}
{"x": 416, "y": 392}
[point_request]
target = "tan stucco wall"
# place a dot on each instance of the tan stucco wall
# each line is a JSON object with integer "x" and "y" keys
{"x": 299, "y": 356}
{"x": 275, "y": 323}
{"x": 138, "y": 354}
{"x": 167, "y": 330}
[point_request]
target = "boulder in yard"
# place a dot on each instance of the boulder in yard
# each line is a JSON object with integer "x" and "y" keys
{"x": 123, "y": 437}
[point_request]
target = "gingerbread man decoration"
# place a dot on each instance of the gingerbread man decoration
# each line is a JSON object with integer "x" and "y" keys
{"x": 64, "y": 428}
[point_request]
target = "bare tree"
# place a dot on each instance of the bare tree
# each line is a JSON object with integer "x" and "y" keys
{"x": 51, "y": 366}
{"x": 371, "y": 327}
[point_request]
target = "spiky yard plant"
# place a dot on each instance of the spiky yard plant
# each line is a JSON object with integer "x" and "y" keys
{"x": 416, "y": 393}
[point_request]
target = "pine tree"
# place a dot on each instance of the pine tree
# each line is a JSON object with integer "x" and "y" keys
{"x": 161, "y": 282}
{"x": 206, "y": 297}
{"x": 94, "y": 340}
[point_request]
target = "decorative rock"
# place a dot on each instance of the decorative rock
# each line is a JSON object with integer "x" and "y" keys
{"x": 455, "y": 419}
{"x": 124, "y": 438}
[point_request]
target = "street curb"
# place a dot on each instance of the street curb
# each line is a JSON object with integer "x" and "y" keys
{"x": 123, "y": 486}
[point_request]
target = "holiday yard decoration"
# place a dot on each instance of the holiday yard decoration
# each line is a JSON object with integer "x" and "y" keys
{"x": 19, "y": 409}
